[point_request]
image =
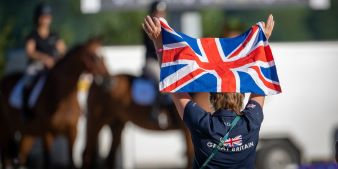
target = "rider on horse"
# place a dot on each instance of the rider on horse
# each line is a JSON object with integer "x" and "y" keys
{"x": 43, "y": 47}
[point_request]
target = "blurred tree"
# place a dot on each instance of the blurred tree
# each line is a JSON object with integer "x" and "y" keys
{"x": 116, "y": 28}
{"x": 213, "y": 20}
{"x": 324, "y": 24}
{"x": 290, "y": 23}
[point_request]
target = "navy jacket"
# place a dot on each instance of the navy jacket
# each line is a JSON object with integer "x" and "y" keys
{"x": 239, "y": 151}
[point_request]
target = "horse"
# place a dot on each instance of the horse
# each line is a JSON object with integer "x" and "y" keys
{"x": 7, "y": 143}
{"x": 56, "y": 110}
{"x": 115, "y": 108}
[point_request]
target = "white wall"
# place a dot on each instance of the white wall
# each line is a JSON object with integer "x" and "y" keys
{"x": 307, "y": 110}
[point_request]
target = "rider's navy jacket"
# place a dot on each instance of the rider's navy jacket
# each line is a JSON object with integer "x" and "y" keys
{"x": 239, "y": 151}
{"x": 45, "y": 45}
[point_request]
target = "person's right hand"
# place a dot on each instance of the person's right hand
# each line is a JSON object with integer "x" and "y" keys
{"x": 48, "y": 62}
{"x": 152, "y": 27}
{"x": 268, "y": 27}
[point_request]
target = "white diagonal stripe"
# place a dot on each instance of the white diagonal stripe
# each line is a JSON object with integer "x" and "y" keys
{"x": 202, "y": 57}
{"x": 175, "y": 45}
{"x": 220, "y": 49}
{"x": 177, "y": 62}
{"x": 179, "y": 74}
{"x": 189, "y": 81}
{"x": 246, "y": 49}
{"x": 246, "y": 67}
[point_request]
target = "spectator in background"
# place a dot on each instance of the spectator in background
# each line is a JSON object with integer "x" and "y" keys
{"x": 43, "y": 47}
{"x": 151, "y": 70}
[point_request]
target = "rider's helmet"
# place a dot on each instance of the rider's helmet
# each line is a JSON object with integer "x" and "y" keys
{"x": 41, "y": 10}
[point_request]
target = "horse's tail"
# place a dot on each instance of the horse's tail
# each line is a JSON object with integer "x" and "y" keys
{"x": 6, "y": 86}
{"x": 8, "y": 82}
{"x": 9, "y": 143}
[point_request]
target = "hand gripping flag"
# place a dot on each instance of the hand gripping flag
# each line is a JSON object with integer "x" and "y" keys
{"x": 241, "y": 64}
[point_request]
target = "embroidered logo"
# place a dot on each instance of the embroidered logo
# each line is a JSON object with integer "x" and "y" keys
{"x": 233, "y": 142}
{"x": 228, "y": 124}
{"x": 252, "y": 106}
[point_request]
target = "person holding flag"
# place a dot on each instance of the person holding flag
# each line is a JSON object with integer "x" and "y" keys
{"x": 226, "y": 138}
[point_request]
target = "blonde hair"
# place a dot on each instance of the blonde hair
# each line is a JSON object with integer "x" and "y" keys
{"x": 231, "y": 101}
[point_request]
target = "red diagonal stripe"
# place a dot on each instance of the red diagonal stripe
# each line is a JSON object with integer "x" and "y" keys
{"x": 241, "y": 47}
{"x": 266, "y": 83}
{"x": 164, "y": 25}
{"x": 216, "y": 63}
{"x": 185, "y": 53}
{"x": 211, "y": 51}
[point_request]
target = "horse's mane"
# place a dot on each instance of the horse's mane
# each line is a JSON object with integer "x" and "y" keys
{"x": 70, "y": 54}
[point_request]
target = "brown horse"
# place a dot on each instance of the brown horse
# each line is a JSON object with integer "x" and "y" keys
{"x": 7, "y": 142}
{"x": 56, "y": 110}
{"x": 115, "y": 107}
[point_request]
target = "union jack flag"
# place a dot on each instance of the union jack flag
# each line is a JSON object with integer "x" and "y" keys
{"x": 241, "y": 64}
{"x": 233, "y": 142}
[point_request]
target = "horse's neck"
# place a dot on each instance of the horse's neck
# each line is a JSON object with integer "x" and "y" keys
{"x": 64, "y": 77}
{"x": 61, "y": 85}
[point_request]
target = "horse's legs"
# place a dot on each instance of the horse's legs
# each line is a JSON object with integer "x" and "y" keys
{"x": 190, "y": 147}
{"x": 47, "y": 148}
{"x": 71, "y": 140}
{"x": 89, "y": 154}
{"x": 116, "y": 128}
{"x": 25, "y": 148}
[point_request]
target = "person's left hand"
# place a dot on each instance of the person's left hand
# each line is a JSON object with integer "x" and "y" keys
{"x": 268, "y": 27}
{"x": 152, "y": 27}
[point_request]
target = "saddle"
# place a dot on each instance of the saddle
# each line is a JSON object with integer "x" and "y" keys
{"x": 145, "y": 92}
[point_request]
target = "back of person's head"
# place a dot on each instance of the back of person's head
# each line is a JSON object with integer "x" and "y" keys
{"x": 230, "y": 101}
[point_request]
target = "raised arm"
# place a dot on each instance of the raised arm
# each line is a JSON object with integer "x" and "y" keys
{"x": 152, "y": 27}
{"x": 181, "y": 100}
{"x": 268, "y": 28}
{"x": 258, "y": 98}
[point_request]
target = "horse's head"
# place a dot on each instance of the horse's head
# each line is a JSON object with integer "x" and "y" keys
{"x": 94, "y": 63}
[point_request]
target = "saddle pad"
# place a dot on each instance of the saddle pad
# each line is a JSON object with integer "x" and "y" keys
{"x": 16, "y": 99}
{"x": 143, "y": 92}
